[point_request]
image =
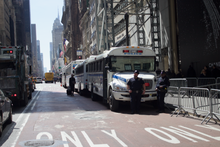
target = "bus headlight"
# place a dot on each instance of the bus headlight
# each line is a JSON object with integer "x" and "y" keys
{"x": 119, "y": 88}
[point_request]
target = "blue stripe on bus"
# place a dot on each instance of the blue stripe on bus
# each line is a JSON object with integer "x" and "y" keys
{"x": 119, "y": 78}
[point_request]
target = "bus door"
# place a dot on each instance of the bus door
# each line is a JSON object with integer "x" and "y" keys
{"x": 105, "y": 66}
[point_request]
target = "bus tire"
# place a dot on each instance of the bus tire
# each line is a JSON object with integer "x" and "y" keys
{"x": 113, "y": 103}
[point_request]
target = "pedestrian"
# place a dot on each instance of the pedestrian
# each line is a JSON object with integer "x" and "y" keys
{"x": 207, "y": 71}
{"x": 203, "y": 73}
{"x": 191, "y": 71}
{"x": 72, "y": 82}
{"x": 136, "y": 88}
{"x": 215, "y": 71}
{"x": 162, "y": 84}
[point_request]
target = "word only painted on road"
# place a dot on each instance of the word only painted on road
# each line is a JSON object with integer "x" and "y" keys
{"x": 181, "y": 131}
{"x": 74, "y": 139}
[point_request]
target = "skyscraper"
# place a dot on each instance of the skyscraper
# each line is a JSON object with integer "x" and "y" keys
{"x": 7, "y": 23}
{"x": 56, "y": 38}
{"x": 34, "y": 50}
{"x": 51, "y": 55}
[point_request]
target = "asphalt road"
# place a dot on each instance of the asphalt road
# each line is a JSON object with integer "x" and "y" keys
{"x": 54, "y": 119}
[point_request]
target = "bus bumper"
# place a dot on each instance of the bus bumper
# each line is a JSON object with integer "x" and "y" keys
{"x": 125, "y": 96}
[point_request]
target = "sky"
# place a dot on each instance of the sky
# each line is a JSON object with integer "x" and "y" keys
{"x": 43, "y": 14}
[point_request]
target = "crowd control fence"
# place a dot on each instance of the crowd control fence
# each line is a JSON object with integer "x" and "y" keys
{"x": 200, "y": 101}
{"x": 195, "y": 82}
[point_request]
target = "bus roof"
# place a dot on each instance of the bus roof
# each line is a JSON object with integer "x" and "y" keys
{"x": 119, "y": 51}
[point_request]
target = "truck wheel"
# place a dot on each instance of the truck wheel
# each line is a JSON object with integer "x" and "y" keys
{"x": 113, "y": 104}
{"x": 9, "y": 121}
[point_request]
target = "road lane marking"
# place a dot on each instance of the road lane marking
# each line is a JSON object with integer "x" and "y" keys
{"x": 172, "y": 139}
{"x": 184, "y": 134}
{"x": 208, "y": 127}
{"x": 49, "y": 136}
{"x": 33, "y": 105}
{"x": 216, "y": 138}
{"x": 20, "y": 123}
{"x": 115, "y": 137}
{"x": 91, "y": 143}
{"x": 75, "y": 141}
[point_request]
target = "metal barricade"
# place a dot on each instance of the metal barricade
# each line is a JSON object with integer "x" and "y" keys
{"x": 171, "y": 97}
{"x": 214, "y": 99}
{"x": 206, "y": 81}
{"x": 218, "y": 81}
{"x": 193, "y": 99}
{"x": 178, "y": 82}
{"x": 192, "y": 82}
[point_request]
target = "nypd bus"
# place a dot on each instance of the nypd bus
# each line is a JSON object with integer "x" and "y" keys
{"x": 67, "y": 71}
{"x": 109, "y": 72}
{"x": 81, "y": 76}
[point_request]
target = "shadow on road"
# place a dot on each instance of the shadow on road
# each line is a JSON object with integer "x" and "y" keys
{"x": 7, "y": 131}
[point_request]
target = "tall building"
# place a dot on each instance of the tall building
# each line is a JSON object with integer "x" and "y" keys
{"x": 85, "y": 29}
{"x": 27, "y": 24}
{"x": 7, "y": 23}
{"x": 75, "y": 31}
{"x": 42, "y": 65}
{"x": 56, "y": 38}
{"x": 67, "y": 32}
{"x": 20, "y": 23}
{"x": 51, "y": 55}
{"x": 34, "y": 50}
{"x": 39, "y": 60}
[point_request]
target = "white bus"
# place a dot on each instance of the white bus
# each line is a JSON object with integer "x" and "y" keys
{"x": 109, "y": 72}
{"x": 67, "y": 71}
{"x": 81, "y": 76}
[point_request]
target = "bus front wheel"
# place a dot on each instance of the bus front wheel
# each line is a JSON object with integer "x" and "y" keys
{"x": 113, "y": 104}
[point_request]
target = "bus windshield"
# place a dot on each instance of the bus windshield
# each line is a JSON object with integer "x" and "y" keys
{"x": 130, "y": 63}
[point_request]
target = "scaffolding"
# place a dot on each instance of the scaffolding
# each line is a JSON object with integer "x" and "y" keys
{"x": 145, "y": 11}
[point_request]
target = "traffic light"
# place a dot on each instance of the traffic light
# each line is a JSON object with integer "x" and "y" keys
{"x": 79, "y": 57}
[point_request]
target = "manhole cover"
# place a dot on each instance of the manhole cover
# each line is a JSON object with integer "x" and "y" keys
{"x": 38, "y": 143}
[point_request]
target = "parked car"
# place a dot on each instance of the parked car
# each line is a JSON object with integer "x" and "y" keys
{"x": 38, "y": 80}
{"x": 5, "y": 109}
